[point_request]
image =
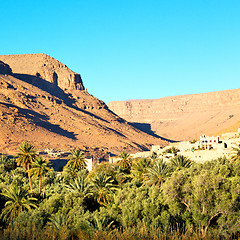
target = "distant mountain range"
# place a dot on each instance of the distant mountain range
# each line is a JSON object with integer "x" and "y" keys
{"x": 184, "y": 117}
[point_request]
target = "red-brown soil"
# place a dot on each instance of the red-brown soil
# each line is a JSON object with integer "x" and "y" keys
{"x": 45, "y": 103}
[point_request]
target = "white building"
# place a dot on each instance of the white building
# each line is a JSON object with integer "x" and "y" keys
{"x": 207, "y": 143}
{"x": 89, "y": 162}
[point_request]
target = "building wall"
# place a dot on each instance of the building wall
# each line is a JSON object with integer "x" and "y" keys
{"x": 89, "y": 162}
{"x": 208, "y": 142}
{"x": 204, "y": 155}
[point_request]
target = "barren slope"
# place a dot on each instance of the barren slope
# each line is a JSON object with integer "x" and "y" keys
{"x": 58, "y": 114}
{"x": 184, "y": 117}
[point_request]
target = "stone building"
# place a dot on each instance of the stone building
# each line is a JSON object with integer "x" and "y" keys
{"x": 207, "y": 143}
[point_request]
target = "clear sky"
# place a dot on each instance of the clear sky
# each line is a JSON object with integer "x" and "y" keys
{"x": 131, "y": 49}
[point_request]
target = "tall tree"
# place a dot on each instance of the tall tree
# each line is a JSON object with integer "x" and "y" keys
{"x": 139, "y": 168}
{"x": 103, "y": 188}
{"x": 125, "y": 160}
{"x": 181, "y": 161}
{"x": 76, "y": 160}
{"x": 157, "y": 173}
{"x": 18, "y": 200}
{"x": 208, "y": 196}
{"x": 80, "y": 186}
{"x": 26, "y": 157}
{"x": 39, "y": 167}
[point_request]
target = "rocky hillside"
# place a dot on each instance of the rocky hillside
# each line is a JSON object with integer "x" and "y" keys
{"x": 44, "y": 67}
{"x": 183, "y": 117}
{"x": 44, "y": 102}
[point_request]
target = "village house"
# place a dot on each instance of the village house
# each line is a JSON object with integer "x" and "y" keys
{"x": 207, "y": 143}
{"x": 207, "y": 148}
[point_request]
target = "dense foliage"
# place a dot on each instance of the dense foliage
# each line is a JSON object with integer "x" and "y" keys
{"x": 143, "y": 198}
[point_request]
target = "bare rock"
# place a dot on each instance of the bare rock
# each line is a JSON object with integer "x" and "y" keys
{"x": 45, "y": 67}
{"x": 49, "y": 117}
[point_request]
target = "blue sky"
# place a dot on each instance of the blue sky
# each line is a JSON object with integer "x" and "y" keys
{"x": 131, "y": 49}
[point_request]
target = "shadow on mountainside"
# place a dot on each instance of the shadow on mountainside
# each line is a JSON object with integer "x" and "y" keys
{"x": 142, "y": 147}
{"x": 146, "y": 127}
{"x": 46, "y": 86}
{"x": 41, "y": 120}
{"x": 54, "y": 90}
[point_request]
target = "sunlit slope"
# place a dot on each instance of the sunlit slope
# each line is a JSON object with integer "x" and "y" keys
{"x": 38, "y": 110}
{"x": 186, "y": 116}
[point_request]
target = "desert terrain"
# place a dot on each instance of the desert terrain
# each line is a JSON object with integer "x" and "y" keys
{"x": 42, "y": 101}
{"x": 184, "y": 117}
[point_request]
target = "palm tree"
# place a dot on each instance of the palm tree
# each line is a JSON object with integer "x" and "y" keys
{"x": 19, "y": 199}
{"x": 173, "y": 150}
{"x": 8, "y": 162}
{"x": 60, "y": 226}
{"x": 154, "y": 156}
{"x": 59, "y": 221}
{"x": 157, "y": 173}
{"x": 181, "y": 161}
{"x": 76, "y": 160}
{"x": 103, "y": 188}
{"x": 125, "y": 161}
{"x": 26, "y": 157}
{"x": 81, "y": 187}
{"x": 236, "y": 153}
{"x": 139, "y": 168}
{"x": 39, "y": 167}
{"x": 102, "y": 223}
{"x": 3, "y": 159}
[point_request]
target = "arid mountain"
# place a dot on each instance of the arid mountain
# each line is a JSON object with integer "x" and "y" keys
{"x": 44, "y": 67}
{"x": 184, "y": 117}
{"x": 45, "y": 103}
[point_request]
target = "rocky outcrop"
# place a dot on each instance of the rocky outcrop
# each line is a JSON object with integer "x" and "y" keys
{"x": 44, "y": 67}
{"x": 4, "y": 68}
{"x": 32, "y": 109}
{"x": 183, "y": 117}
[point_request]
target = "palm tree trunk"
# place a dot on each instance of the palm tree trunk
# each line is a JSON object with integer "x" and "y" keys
{"x": 29, "y": 177}
{"x": 40, "y": 183}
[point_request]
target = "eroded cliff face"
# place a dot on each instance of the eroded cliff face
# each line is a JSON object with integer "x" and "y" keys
{"x": 51, "y": 112}
{"x": 44, "y": 67}
{"x": 183, "y": 117}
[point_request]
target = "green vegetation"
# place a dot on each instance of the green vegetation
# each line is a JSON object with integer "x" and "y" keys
{"x": 143, "y": 198}
{"x": 18, "y": 199}
{"x": 157, "y": 173}
{"x": 26, "y": 157}
{"x": 180, "y": 161}
{"x": 39, "y": 167}
{"x": 236, "y": 153}
{"x": 76, "y": 162}
{"x": 125, "y": 161}
{"x": 173, "y": 150}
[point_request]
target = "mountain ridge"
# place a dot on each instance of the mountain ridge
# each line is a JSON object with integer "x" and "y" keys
{"x": 183, "y": 117}
{"x": 60, "y": 115}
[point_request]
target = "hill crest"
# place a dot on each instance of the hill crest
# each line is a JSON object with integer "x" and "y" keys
{"x": 45, "y": 67}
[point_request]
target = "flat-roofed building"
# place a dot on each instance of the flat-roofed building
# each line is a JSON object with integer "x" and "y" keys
{"x": 208, "y": 142}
